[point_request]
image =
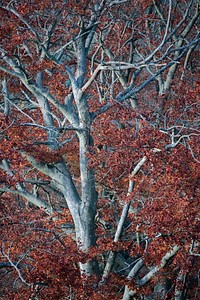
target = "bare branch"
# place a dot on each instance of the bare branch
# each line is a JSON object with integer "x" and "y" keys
{"x": 15, "y": 266}
{"x": 134, "y": 271}
{"x": 186, "y": 136}
{"x": 163, "y": 263}
{"x": 164, "y": 37}
{"x": 112, "y": 255}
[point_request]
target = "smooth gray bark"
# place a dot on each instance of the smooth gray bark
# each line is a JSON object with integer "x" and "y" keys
{"x": 74, "y": 110}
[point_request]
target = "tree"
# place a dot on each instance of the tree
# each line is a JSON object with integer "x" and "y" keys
{"x": 99, "y": 106}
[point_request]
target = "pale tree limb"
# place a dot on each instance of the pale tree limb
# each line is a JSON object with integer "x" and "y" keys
{"x": 185, "y": 136}
{"x": 6, "y": 97}
{"x": 159, "y": 12}
{"x": 180, "y": 286}
{"x": 20, "y": 110}
{"x": 20, "y": 190}
{"x": 30, "y": 198}
{"x": 92, "y": 78}
{"x": 193, "y": 245}
{"x": 72, "y": 118}
{"x": 131, "y": 90}
{"x": 148, "y": 58}
{"x": 145, "y": 62}
{"x": 41, "y": 39}
{"x": 59, "y": 173}
{"x": 67, "y": 128}
{"x": 134, "y": 271}
{"x": 163, "y": 263}
{"x": 119, "y": 74}
{"x": 116, "y": 2}
{"x": 69, "y": 108}
{"x": 15, "y": 266}
{"x": 18, "y": 72}
{"x": 179, "y": 43}
{"x": 62, "y": 178}
{"x": 8, "y": 71}
{"x": 188, "y": 55}
{"x": 112, "y": 255}
{"x": 20, "y": 17}
{"x": 141, "y": 282}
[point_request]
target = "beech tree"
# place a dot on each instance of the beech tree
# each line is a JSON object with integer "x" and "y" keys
{"x": 99, "y": 149}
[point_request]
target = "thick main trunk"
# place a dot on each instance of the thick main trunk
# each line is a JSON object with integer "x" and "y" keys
{"x": 82, "y": 207}
{"x": 86, "y": 229}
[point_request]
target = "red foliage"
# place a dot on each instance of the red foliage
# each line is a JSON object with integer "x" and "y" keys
{"x": 45, "y": 119}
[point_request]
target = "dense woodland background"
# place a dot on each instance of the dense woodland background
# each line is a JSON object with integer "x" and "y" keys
{"x": 99, "y": 150}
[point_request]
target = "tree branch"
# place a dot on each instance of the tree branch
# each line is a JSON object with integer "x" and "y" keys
{"x": 112, "y": 255}
{"x": 15, "y": 266}
{"x": 163, "y": 263}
